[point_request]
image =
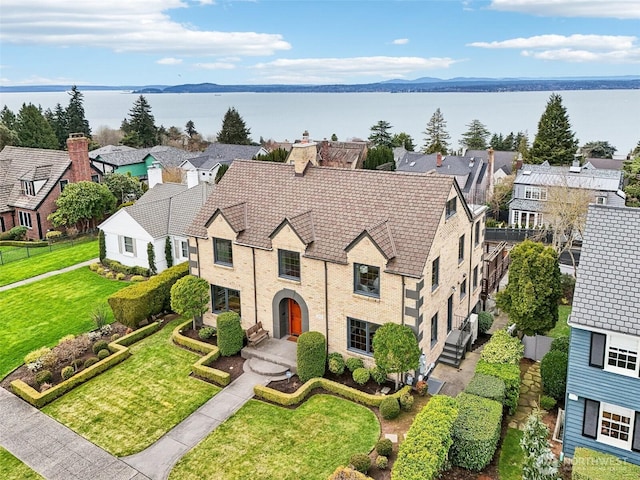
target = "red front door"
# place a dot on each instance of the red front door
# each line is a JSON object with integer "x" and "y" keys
{"x": 295, "y": 318}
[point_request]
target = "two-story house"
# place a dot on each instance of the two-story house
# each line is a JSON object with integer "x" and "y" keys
{"x": 533, "y": 184}
{"x": 301, "y": 247}
{"x": 603, "y": 382}
{"x": 31, "y": 180}
{"x": 208, "y": 163}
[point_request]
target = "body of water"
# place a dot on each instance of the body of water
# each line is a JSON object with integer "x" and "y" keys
{"x": 610, "y": 115}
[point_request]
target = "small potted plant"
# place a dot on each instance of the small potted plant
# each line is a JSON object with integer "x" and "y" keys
{"x": 422, "y": 387}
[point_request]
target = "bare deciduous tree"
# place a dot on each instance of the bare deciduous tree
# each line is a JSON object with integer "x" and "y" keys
{"x": 501, "y": 194}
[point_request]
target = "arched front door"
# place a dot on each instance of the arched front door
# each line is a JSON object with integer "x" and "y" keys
{"x": 295, "y": 317}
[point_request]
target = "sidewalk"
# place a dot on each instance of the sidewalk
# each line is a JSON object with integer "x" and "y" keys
{"x": 27, "y": 281}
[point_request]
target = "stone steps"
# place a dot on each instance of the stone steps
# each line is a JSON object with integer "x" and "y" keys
{"x": 268, "y": 369}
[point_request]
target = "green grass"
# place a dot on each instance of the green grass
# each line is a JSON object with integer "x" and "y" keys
{"x": 561, "y": 329}
{"x": 47, "y": 261}
{"x": 511, "y": 457}
{"x": 262, "y": 439}
{"x": 13, "y": 469}
{"x": 130, "y": 406}
{"x": 42, "y": 312}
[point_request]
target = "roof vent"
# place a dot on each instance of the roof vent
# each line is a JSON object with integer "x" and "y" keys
{"x": 412, "y": 164}
{"x": 574, "y": 169}
{"x": 527, "y": 172}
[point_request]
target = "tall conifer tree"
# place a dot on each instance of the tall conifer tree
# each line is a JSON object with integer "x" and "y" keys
{"x": 436, "y": 135}
{"x": 234, "y": 131}
{"x": 554, "y": 142}
{"x": 140, "y": 128}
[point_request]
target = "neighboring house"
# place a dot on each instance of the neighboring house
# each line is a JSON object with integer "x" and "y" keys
{"x": 135, "y": 162}
{"x": 533, "y": 182}
{"x": 341, "y": 252}
{"x": 350, "y": 155}
{"x": 603, "y": 382}
{"x": 503, "y": 161}
{"x": 165, "y": 210}
{"x": 208, "y": 162}
{"x": 31, "y": 180}
{"x": 606, "y": 163}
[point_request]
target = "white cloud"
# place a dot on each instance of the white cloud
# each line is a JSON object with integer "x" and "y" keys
{"x": 624, "y": 9}
{"x": 39, "y": 80}
{"x": 400, "y": 41}
{"x": 601, "y": 42}
{"x": 169, "y": 61}
{"x": 583, "y": 56}
{"x": 124, "y": 26}
{"x": 326, "y": 70}
{"x": 215, "y": 66}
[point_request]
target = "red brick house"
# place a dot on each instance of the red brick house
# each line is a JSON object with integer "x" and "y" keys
{"x": 31, "y": 180}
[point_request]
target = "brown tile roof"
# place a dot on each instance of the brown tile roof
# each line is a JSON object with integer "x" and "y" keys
{"x": 399, "y": 211}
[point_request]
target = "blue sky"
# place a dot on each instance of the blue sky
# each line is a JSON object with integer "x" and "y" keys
{"x": 147, "y": 42}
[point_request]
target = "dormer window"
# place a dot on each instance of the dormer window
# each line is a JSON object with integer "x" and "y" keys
{"x": 366, "y": 280}
{"x": 222, "y": 252}
{"x": 289, "y": 264}
{"x": 28, "y": 188}
{"x": 451, "y": 207}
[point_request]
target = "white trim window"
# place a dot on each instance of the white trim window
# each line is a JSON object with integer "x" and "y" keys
{"x": 181, "y": 248}
{"x": 601, "y": 200}
{"x": 535, "y": 193}
{"x": 127, "y": 246}
{"x": 25, "y": 219}
{"x": 616, "y": 425}
{"x": 622, "y": 355}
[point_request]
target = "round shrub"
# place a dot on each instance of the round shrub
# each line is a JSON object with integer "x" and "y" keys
{"x": 43, "y": 376}
{"x": 336, "y": 363}
{"x": 485, "y": 320}
{"x": 76, "y": 364}
{"x": 110, "y": 275}
{"x": 138, "y": 278}
{"x": 206, "y": 332}
{"x": 422, "y": 388}
{"x": 94, "y": 267}
{"x": 553, "y": 372}
{"x": 378, "y": 375}
{"x": 382, "y": 462}
{"x": 347, "y": 473}
{"x": 115, "y": 337}
{"x": 560, "y": 344}
{"x": 104, "y": 353}
{"x": 406, "y": 402}
{"x": 230, "y": 334}
{"x": 361, "y": 376}
{"x": 389, "y": 408}
{"x": 90, "y": 361}
{"x": 99, "y": 345}
{"x": 360, "y": 462}
{"x": 67, "y": 372}
{"x": 71, "y": 336}
{"x": 100, "y": 271}
{"x": 120, "y": 276}
{"x": 354, "y": 362}
{"x": 547, "y": 403}
{"x": 312, "y": 355}
{"x": 384, "y": 447}
{"x": 36, "y": 354}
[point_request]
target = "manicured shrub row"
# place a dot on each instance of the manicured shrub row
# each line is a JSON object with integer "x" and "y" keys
{"x": 16, "y": 233}
{"x": 476, "y": 431}
{"x": 201, "y": 368}
{"x": 139, "y": 301}
{"x": 591, "y": 465}
{"x": 553, "y": 373}
{"x": 560, "y": 344}
{"x": 121, "y": 352}
{"x": 510, "y": 375}
{"x": 503, "y": 348}
{"x": 423, "y": 454}
{"x": 230, "y": 333}
{"x": 116, "y": 266}
{"x": 486, "y": 386}
{"x": 15, "y": 243}
{"x": 311, "y": 355}
{"x": 485, "y": 320}
{"x": 288, "y": 399}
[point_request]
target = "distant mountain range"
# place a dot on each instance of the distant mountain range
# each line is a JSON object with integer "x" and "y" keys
{"x": 424, "y": 84}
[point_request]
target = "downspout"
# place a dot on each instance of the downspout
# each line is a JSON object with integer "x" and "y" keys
{"x": 402, "y": 302}
{"x": 255, "y": 286}
{"x": 40, "y": 236}
{"x": 469, "y": 287}
{"x": 326, "y": 305}
{"x": 198, "y": 254}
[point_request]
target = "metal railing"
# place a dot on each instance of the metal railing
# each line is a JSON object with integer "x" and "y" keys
{"x": 13, "y": 254}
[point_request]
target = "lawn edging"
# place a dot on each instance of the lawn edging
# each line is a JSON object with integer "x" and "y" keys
{"x": 201, "y": 368}
{"x": 289, "y": 399}
{"x": 120, "y": 352}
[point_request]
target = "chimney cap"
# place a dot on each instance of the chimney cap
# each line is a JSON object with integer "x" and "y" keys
{"x": 76, "y": 135}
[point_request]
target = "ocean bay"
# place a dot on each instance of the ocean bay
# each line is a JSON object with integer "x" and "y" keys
{"x": 610, "y": 115}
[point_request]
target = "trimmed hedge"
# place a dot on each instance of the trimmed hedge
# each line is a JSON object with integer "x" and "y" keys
{"x": 560, "y": 344}
{"x": 311, "y": 355}
{"x": 139, "y": 301}
{"x": 476, "y": 431}
{"x": 230, "y": 333}
{"x": 553, "y": 372}
{"x": 485, "y": 320}
{"x": 510, "y": 375}
{"x": 289, "y": 399}
{"x": 503, "y": 348}
{"x": 390, "y": 408}
{"x": 121, "y": 352}
{"x": 487, "y": 386}
{"x": 201, "y": 368}
{"x": 423, "y": 454}
{"x": 23, "y": 244}
{"x": 126, "y": 269}
{"x": 592, "y": 465}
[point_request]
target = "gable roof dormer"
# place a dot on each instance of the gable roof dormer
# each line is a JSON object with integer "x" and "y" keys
{"x": 301, "y": 224}
{"x": 235, "y": 215}
{"x": 380, "y": 235}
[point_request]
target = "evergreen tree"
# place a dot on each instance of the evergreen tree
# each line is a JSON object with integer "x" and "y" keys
{"x": 151, "y": 257}
{"x": 497, "y": 142}
{"x": 599, "y": 149}
{"x": 278, "y": 155}
{"x": 222, "y": 169}
{"x": 378, "y": 156}
{"x": 75, "y": 119}
{"x": 8, "y": 118}
{"x": 380, "y": 135}
{"x": 7, "y": 136}
{"x": 33, "y": 130}
{"x": 140, "y": 128}
{"x": 334, "y": 137}
{"x": 234, "y": 131}
{"x": 509, "y": 140}
{"x": 58, "y": 121}
{"x": 168, "y": 252}
{"x": 436, "y": 135}
{"x": 554, "y": 142}
{"x": 190, "y": 128}
{"x": 475, "y": 138}
{"x": 403, "y": 139}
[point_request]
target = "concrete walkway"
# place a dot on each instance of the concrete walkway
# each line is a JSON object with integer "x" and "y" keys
{"x": 157, "y": 461}
{"x": 53, "y": 450}
{"x": 27, "y": 281}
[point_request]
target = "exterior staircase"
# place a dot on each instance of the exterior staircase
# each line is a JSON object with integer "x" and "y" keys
{"x": 271, "y": 357}
{"x": 455, "y": 348}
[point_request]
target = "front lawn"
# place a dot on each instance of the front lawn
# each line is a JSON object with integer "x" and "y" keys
{"x": 260, "y": 439}
{"x": 561, "y": 329}
{"x": 42, "y": 312}
{"x": 511, "y": 456}
{"x": 13, "y": 469}
{"x": 130, "y": 406}
{"x": 46, "y": 261}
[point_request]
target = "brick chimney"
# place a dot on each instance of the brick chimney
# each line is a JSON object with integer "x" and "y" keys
{"x": 438, "y": 159}
{"x": 518, "y": 165}
{"x": 78, "y": 148}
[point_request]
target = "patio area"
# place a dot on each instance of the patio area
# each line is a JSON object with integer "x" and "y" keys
{"x": 271, "y": 357}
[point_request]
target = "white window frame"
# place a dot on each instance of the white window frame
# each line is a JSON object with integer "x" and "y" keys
{"x": 123, "y": 245}
{"x": 622, "y": 345}
{"x": 601, "y": 200}
{"x": 25, "y": 219}
{"x": 616, "y": 410}
{"x": 535, "y": 193}
{"x": 181, "y": 248}
{"x": 28, "y": 188}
